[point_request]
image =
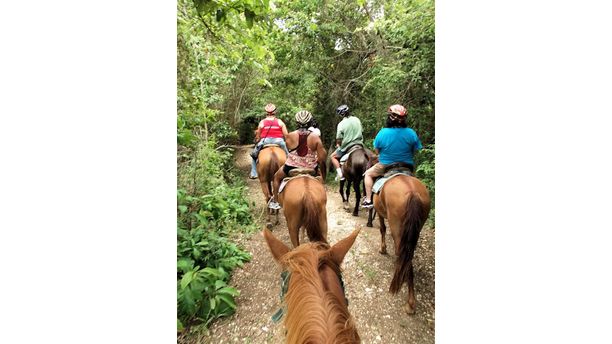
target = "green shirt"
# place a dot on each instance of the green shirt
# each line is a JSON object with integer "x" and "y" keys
{"x": 349, "y": 130}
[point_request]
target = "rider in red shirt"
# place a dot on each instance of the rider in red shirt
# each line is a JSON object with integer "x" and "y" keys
{"x": 271, "y": 130}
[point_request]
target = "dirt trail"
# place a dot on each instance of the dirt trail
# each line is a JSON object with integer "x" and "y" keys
{"x": 367, "y": 275}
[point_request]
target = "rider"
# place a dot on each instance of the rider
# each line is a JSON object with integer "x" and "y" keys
{"x": 308, "y": 152}
{"x": 349, "y": 133}
{"x": 271, "y": 130}
{"x": 395, "y": 143}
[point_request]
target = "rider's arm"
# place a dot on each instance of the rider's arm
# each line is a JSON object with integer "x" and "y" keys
{"x": 322, "y": 157}
{"x": 283, "y": 128}
{"x": 258, "y": 134}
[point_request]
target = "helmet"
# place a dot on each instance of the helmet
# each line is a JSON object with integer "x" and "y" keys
{"x": 303, "y": 117}
{"x": 342, "y": 110}
{"x": 270, "y": 108}
{"x": 397, "y": 109}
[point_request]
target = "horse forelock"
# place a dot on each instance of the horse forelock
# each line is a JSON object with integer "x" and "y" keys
{"x": 314, "y": 313}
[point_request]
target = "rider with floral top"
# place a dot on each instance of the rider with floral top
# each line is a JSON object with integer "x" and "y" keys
{"x": 307, "y": 152}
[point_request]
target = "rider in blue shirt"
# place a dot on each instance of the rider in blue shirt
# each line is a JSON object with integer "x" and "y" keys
{"x": 394, "y": 143}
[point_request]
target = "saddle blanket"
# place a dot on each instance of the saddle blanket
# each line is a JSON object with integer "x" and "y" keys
{"x": 351, "y": 150}
{"x": 286, "y": 180}
{"x": 378, "y": 185}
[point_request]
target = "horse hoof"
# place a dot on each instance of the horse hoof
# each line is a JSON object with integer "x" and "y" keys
{"x": 369, "y": 225}
{"x": 409, "y": 310}
{"x": 382, "y": 252}
{"x": 269, "y": 225}
{"x": 355, "y": 214}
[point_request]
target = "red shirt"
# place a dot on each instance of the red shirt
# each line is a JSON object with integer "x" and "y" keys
{"x": 271, "y": 128}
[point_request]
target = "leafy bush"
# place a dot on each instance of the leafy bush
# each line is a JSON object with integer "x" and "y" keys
{"x": 425, "y": 171}
{"x": 209, "y": 210}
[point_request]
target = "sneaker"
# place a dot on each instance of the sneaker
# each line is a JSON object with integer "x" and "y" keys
{"x": 273, "y": 204}
{"x": 366, "y": 204}
{"x": 252, "y": 177}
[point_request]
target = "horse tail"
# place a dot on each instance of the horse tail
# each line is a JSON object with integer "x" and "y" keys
{"x": 414, "y": 219}
{"x": 273, "y": 166}
{"x": 311, "y": 216}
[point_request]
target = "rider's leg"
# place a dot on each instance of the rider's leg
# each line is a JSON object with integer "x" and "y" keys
{"x": 278, "y": 178}
{"x": 253, "y": 173}
{"x": 335, "y": 161}
{"x": 369, "y": 175}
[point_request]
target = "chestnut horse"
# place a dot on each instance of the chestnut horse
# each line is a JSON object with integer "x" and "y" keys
{"x": 270, "y": 159}
{"x": 352, "y": 170}
{"x": 317, "y": 309}
{"x": 404, "y": 201}
{"x": 304, "y": 200}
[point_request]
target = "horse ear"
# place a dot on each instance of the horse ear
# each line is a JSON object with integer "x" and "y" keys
{"x": 277, "y": 247}
{"x": 339, "y": 250}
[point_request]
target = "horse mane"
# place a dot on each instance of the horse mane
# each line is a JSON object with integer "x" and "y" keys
{"x": 318, "y": 315}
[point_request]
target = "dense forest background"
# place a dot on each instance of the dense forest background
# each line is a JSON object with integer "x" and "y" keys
{"x": 233, "y": 57}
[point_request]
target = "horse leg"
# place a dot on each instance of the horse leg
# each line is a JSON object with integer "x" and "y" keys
{"x": 409, "y": 308}
{"x": 357, "y": 190}
{"x": 266, "y": 192}
{"x": 383, "y": 232}
{"x": 348, "y": 194}
{"x": 371, "y": 215}
{"x": 293, "y": 224}
{"x": 323, "y": 222}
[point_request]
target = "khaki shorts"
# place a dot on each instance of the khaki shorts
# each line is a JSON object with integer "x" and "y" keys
{"x": 376, "y": 170}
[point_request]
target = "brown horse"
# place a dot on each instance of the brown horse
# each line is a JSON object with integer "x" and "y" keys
{"x": 404, "y": 201}
{"x": 304, "y": 200}
{"x": 317, "y": 310}
{"x": 270, "y": 159}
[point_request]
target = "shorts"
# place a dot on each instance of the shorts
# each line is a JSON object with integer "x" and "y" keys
{"x": 375, "y": 171}
{"x": 339, "y": 153}
{"x": 379, "y": 169}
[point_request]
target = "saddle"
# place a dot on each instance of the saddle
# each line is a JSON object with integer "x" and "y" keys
{"x": 297, "y": 171}
{"x": 398, "y": 167}
{"x": 270, "y": 145}
{"x": 392, "y": 170}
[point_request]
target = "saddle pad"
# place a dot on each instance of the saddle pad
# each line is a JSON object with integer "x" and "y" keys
{"x": 378, "y": 185}
{"x": 286, "y": 180}
{"x": 351, "y": 150}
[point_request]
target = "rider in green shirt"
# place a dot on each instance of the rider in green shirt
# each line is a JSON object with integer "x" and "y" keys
{"x": 349, "y": 133}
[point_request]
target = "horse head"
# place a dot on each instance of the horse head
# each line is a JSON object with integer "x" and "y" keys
{"x": 317, "y": 310}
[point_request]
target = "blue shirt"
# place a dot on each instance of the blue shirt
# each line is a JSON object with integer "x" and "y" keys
{"x": 397, "y": 145}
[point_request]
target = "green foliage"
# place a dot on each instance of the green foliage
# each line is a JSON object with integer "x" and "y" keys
{"x": 233, "y": 57}
{"x": 209, "y": 210}
{"x": 425, "y": 171}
